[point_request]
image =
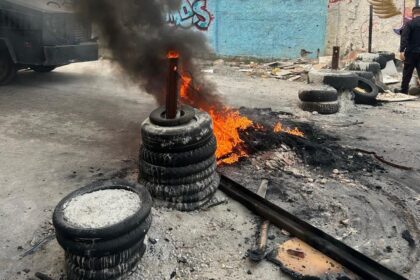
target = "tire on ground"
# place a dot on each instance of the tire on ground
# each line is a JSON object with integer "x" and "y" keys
{"x": 340, "y": 80}
{"x": 324, "y": 108}
{"x": 373, "y": 57}
{"x": 373, "y": 67}
{"x": 319, "y": 94}
{"x": 364, "y": 74}
{"x": 365, "y": 92}
{"x": 183, "y": 206}
{"x": 70, "y": 231}
{"x": 388, "y": 56}
{"x": 181, "y": 158}
{"x": 178, "y": 138}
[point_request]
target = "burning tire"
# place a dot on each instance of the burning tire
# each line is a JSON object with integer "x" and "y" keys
{"x": 373, "y": 67}
{"x": 7, "y": 68}
{"x": 340, "y": 80}
{"x": 186, "y": 114}
{"x": 321, "y": 94}
{"x": 181, "y": 158}
{"x": 179, "y": 138}
{"x": 324, "y": 108}
{"x": 365, "y": 92}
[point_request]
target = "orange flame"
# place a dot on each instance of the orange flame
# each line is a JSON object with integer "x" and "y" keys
{"x": 172, "y": 54}
{"x": 278, "y": 128}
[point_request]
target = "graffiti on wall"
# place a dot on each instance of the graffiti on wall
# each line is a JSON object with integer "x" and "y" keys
{"x": 191, "y": 14}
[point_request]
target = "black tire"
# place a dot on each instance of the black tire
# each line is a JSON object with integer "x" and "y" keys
{"x": 388, "y": 56}
{"x": 70, "y": 231}
{"x": 364, "y": 74}
{"x": 178, "y": 138}
{"x": 160, "y": 172}
{"x": 100, "y": 263}
{"x": 373, "y": 57}
{"x": 196, "y": 197}
{"x": 373, "y": 67}
{"x": 340, "y": 80}
{"x": 94, "y": 248}
{"x": 8, "y": 68}
{"x": 184, "y": 207}
{"x": 159, "y": 190}
{"x": 182, "y": 158}
{"x": 171, "y": 180}
{"x": 366, "y": 92}
{"x": 320, "y": 94}
{"x": 76, "y": 273}
{"x": 43, "y": 69}
{"x": 186, "y": 114}
{"x": 415, "y": 91}
{"x": 324, "y": 108}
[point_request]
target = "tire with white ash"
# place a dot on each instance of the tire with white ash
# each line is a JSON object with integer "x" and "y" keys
{"x": 364, "y": 74}
{"x": 180, "y": 138}
{"x": 94, "y": 248}
{"x": 181, "y": 158}
{"x": 160, "y": 190}
{"x": 185, "y": 115}
{"x": 99, "y": 263}
{"x": 196, "y": 197}
{"x": 338, "y": 79}
{"x": 373, "y": 57}
{"x": 373, "y": 67}
{"x": 319, "y": 94}
{"x": 366, "y": 92}
{"x": 73, "y": 232}
{"x": 75, "y": 272}
{"x": 163, "y": 172}
{"x": 324, "y": 108}
{"x": 171, "y": 180}
{"x": 388, "y": 56}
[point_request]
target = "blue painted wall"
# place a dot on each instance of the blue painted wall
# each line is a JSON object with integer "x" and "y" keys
{"x": 268, "y": 28}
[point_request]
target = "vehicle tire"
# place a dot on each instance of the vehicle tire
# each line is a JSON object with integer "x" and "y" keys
{"x": 76, "y": 273}
{"x": 365, "y": 92}
{"x": 415, "y": 91}
{"x": 160, "y": 190}
{"x": 373, "y": 57}
{"x": 324, "y": 108}
{"x": 184, "y": 207}
{"x": 388, "y": 56}
{"x": 8, "y": 69}
{"x": 186, "y": 114}
{"x": 179, "y": 159}
{"x": 160, "y": 172}
{"x": 178, "y": 138}
{"x": 373, "y": 67}
{"x": 100, "y": 263}
{"x": 340, "y": 80}
{"x": 364, "y": 74}
{"x": 195, "y": 197}
{"x": 42, "y": 68}
{"x": 69, "y": 231}
{"x": 95, "y": 248}
{"x": 181, "y": 180}
{"x": 320, "y": 94}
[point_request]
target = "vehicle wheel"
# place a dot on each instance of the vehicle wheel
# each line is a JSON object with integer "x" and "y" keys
{"x": 324, "y": 108}
{"x": 365, "y": 92}
{"x": 8, "y": 69}
{"x": 95, "y": 248}
{"x": 43, "y": 69}
{"x": 320, "y": 94}
{"x": 364, "y": 74}
{"x": 340, "y": 80}
{"x": 373, "y": 67}
{"x": 73, "y": 232}
{"x": 76, "y": 273}
{"x": 180, "y": 138}
{"x": 181, "y": 158}
{"x": 160, "y": 172}
{"x": 186, "y": 114}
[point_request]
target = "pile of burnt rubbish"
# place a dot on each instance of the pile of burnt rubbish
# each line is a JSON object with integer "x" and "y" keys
{"x": 177, "y": 159}
{"x": 102, "y": 228}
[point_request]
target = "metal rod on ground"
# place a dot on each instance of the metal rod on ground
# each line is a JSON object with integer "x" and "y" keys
{"x": 335, "y": 58}
{"x": 335, "y": 249}
{"x": 370, "y": 28}
{"x": 172, "y": 89}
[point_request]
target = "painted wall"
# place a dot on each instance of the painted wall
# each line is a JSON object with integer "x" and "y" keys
{"x": 264, "y": 29}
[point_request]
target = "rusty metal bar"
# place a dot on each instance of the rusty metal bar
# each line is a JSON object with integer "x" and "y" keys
{"x": 172, "y": 88}
{"x": 335, "y": 249}
{"x": 335, "y": 58}
{"x": 370, "y": 28}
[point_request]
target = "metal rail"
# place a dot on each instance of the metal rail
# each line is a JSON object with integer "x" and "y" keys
{"x": 337, "y": 250}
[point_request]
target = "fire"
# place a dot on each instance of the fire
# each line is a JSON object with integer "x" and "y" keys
{"x": 278, "y": 128}
{"x": 172, "y": 54}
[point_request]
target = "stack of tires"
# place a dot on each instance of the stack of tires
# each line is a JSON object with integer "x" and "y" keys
{"x": 108, "y": 252}
{"x": 177, "y": 159}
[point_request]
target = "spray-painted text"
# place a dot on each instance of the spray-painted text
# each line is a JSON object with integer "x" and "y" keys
{"x": 193, "y": 13}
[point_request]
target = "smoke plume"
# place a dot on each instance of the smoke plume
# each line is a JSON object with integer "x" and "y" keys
{"x": 139, "y": 39}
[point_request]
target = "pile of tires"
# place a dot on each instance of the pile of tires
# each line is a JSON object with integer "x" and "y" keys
{"x": 108, "y": 252}
{"x": 322, "y": 99}
{"x": 177, "y": 161}
{"x": 339, "y": 79}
